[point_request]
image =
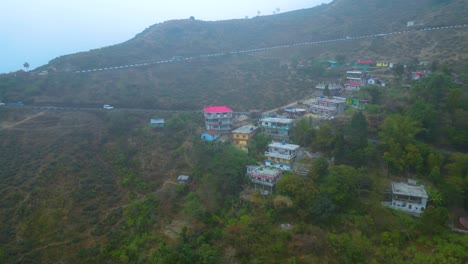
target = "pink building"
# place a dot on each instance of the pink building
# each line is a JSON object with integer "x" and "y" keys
{"x": 218, "y": 118}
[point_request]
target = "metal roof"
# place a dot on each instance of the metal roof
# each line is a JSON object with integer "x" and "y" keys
{"x": 245, "y": 129}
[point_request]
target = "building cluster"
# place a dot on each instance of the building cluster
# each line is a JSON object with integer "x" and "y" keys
{"x": 221, "y": 123}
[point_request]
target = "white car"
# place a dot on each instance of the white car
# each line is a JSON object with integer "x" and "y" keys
{"x": 2, "y": 104}
{"x": 108, "y": 107}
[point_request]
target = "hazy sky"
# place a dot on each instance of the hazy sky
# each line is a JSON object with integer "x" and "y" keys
{"x": 36, "y": 31}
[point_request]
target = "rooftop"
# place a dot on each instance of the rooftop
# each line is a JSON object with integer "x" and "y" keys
{"x": 245, "y": 129}
{"x": 217, "y": 109}
{"x": 211, "y": 132}
{"x": 269, "y": 172}
{"x": 402, "y": 188}
{"x": 278, "y": 120}
{"x": 284, "y": 146}
{"x": 353, "y": 84}
{"x": 157, "y": 121}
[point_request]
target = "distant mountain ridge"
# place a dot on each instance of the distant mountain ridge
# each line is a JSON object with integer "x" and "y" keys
{"x": 260, "y": 80}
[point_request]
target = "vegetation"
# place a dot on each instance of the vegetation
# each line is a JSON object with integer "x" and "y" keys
{"x": 100, "y": 186}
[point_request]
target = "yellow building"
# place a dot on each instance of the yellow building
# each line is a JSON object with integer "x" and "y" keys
{"x": 243, "y": 134}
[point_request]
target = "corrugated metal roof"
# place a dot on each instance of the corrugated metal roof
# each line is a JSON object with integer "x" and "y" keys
{"x": 217, "y": 109}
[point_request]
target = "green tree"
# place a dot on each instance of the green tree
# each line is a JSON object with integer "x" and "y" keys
{"x": 397, "y": 133}
{"x": 398, "y": 70}
{"x": 301, "y": 190}
{"x": 303, "y": 132}
{"x": 323, "y": 209}
{"x": 456, "y": 180}
{"x": 434, "y": 220}
{"x": 323, "y": 140}
{"x": 326, "y": 91}
{"x": 340, "y": 59}
{"x": 341, "y": 185}
{"x": 351, "y": 149}
{"x": 319, "y": 169}
{"x": 424, "y": 113}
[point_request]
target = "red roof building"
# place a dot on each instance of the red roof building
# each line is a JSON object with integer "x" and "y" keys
{"x": 218, "y": 118}
{"x": 352, "y": 85}
{"x": 217, "y": 109}
{"x": 360, "y": 62}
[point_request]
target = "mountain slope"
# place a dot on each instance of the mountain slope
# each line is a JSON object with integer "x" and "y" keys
{"x": 245, "y": 81}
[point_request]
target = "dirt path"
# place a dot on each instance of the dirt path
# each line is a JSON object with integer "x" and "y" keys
{"x": 13, "y": 125}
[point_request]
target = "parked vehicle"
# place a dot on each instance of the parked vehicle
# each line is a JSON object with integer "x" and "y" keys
{"x": 108, "y": 107}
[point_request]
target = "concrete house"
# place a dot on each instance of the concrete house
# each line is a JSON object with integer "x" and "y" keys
{"x": 264, "y": 178}
{"x": 181, "y": 179}
{"x": 242, "y": 135}
{"x": 408, "y": 196}
{"x": 210, "y": 135}
{"x": 334, "y": 88}
{"x": 157, "y": 123}
{"x": 277, "y": 127}
{"x": 281, "y": 155}
{"x": 218, "y": 118}
{"x": 328, "y": 106}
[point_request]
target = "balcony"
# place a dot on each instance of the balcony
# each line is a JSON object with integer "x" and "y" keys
{"x": 277, "y": 127}
{"x": 280, "y": 155}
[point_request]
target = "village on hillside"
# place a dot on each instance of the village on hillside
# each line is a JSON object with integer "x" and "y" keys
{"x": 328, "y": 100}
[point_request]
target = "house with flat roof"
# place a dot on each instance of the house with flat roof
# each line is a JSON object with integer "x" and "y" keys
{"x": 328, "y": 106}
{"x": 181, "y": 179}
{"x": 157, "y": 122}
{"x": 334, "y": 88}
{"x": 264, "y": 178}
{"x": 281, "y": 155}
{"x": 218, "y": 118}
{"x": 242, "y": 135}
{"x": 408, "y": 196}
{"x": 277, "y": 127}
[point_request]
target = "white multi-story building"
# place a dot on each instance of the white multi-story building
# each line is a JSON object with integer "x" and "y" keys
{"x": 281, "y": 155}
{"x": 409, "y": 197}
{"x": 277, "y": 127}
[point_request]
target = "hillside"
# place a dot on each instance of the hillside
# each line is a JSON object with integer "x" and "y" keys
{"x": 99, "y": 186}
{"x": 260, "y": 80}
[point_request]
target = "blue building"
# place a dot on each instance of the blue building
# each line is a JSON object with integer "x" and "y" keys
{"x": 210, "y": 135}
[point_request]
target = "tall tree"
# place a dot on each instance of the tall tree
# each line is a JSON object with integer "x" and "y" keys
{"x": 303, "y": 132}
{"x": 397, "y": 134}
{"x": 26, "y": 65}
{"x": 323, "y": 140}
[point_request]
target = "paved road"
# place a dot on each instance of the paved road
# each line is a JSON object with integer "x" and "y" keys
{"x": 347, "y": 38}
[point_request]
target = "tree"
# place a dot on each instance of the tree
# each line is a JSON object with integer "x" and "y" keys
{"x": 326, "y": 91}
{"x": 323, "y": 140}
{"x": 340, "y": 59}
{"x": 397, "y": 133}
{"x": 319, "y": 169}
{"x": 341, "y": 185}
{"x": 456, "y": 180}
{"x": 26, "y": 65}
{"x": 375, "y": 93}
{"x": 398, "y": 70}
{"x": 299, "y": 189}
{"x": 351, "y": 146}
{"x": 322, "y": 209}
{"x": 303, "y": 132}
